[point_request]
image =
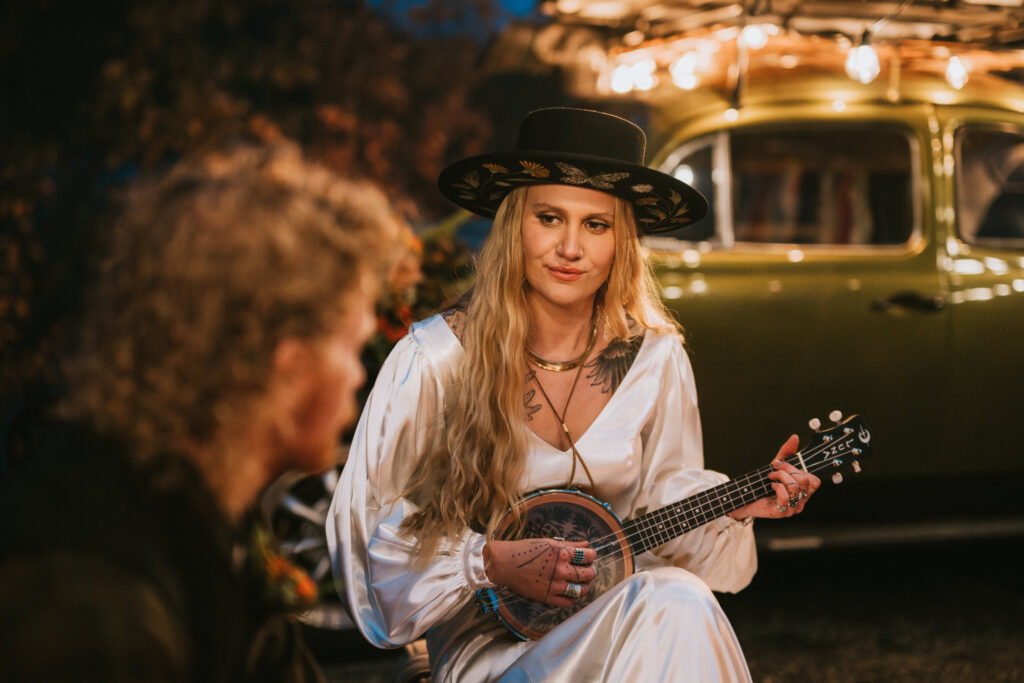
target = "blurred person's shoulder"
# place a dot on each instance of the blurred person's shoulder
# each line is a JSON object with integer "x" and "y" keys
{"x": 129, "y": 561}
{"x": 70, "y": 613}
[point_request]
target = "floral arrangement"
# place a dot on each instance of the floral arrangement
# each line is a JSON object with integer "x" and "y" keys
{"x": 435, "y": 269}
{"x": 280, "y": 581}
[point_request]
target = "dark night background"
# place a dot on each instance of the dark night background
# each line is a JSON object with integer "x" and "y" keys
{"x": 96, "y": 94}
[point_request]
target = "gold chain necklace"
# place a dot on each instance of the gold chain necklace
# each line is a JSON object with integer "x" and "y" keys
{"x": 563, "y": 366}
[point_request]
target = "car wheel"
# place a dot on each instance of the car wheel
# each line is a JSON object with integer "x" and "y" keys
{"x": 294, "y": 508}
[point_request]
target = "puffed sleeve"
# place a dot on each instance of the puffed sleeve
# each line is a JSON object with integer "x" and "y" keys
{"x": 721, "y": 553}
{"x": 391, "y": 602}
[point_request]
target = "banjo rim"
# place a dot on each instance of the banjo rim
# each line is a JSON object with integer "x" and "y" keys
{"x": 489, "y": 599}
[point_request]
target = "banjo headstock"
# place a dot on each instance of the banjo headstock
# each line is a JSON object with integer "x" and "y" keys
{"x": 844, "y": 444}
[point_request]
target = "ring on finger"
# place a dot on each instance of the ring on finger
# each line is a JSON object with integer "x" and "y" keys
{"x": 579, "y": 556}
{"x": 802, "y": 495}
{"x": 794, "y": 501}
{"x": 779, "y": 507}
{"x": 572, "y": 591}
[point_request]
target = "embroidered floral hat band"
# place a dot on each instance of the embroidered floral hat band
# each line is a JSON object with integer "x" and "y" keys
{"x": 579, "y": 147}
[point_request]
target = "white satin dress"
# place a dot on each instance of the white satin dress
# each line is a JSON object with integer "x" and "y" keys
{"x": 644, "y": 451}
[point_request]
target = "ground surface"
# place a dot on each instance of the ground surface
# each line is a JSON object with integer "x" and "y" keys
{"x": 937, "y": 613}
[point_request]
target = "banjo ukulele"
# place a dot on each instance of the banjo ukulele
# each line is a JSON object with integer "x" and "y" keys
{"x": 576, "y": 516}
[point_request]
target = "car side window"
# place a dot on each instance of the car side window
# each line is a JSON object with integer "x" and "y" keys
{"x": 695, "y": 166}
{"x": 990, "y": 186}
{"x": 805, "y": 184}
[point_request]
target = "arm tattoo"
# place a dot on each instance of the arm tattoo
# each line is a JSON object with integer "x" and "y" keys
{"x": 611, "y": 365}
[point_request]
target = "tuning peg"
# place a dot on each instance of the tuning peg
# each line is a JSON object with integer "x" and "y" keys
{"x": 856, "y": 465}
{"x": 835, "y": 416}
{"x": 837, "y": 478}
{"x": 814, "y": 424}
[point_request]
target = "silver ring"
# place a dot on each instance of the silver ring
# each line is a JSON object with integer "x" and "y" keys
{"x": 578, "y": 556}
{"x": 803, "y": 494}
{"x": 794, "y": 501}
{"x": 572, "y": 591}
{"x": 779, "y": 507}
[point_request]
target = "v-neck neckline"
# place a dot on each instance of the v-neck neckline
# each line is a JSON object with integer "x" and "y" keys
{"x": 579, "y": 439}
{"x": 600, "y": 415}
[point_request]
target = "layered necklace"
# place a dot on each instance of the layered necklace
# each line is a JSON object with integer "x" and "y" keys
{"x": 563, "y": 366}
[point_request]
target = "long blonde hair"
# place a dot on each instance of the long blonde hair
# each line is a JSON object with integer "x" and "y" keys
{"x": 472, "y": 473}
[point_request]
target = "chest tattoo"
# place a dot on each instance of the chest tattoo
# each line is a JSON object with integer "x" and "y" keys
{"x": 611, "y": 365}
{"x": 530, "y": 398}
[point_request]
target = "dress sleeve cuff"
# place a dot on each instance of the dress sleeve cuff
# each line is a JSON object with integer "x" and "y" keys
{"x": 727, "y": 524}
{"x": 473, "y": 562}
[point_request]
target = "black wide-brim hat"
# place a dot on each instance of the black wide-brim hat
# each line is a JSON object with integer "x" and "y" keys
{"x": 581, "y": 147}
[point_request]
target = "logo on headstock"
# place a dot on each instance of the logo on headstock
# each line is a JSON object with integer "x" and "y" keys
{"x": 864, "y": 435}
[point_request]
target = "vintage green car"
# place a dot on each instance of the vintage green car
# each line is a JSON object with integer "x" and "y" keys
{"x": 865, "y": 252}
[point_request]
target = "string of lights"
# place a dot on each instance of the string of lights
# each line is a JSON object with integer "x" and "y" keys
{"x": 686, "y": 47}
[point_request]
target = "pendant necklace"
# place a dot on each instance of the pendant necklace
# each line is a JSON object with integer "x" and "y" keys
{"x": 561, "y": 418}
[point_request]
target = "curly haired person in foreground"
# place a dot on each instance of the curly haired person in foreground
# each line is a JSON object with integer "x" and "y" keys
{"x": 220, "y": 348}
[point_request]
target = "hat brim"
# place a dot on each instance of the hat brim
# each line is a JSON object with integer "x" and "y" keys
{"x": 660, "y": 201}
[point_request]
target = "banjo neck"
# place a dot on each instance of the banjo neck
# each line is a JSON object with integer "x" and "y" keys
{"x": 656, "y": 528}
{"x": 572, "y": 514}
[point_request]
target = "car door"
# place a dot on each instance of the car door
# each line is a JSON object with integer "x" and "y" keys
{"x": 986, "y": 264}
{"x": 814, "y": 286}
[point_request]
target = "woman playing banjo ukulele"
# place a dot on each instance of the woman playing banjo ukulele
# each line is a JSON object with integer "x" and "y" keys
{"x": 560, "y": 369}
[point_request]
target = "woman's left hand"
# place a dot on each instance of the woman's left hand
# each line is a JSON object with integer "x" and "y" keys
{"x": 792, "y": 488}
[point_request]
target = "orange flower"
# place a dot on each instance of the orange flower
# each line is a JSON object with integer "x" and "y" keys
{"x": 277, "y": 567}
{"x": 393, "y": 333}
{"x": 305, "y": 589}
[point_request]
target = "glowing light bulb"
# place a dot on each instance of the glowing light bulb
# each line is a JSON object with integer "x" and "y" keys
{"x": 731, "y": 114}
{"x": 789, "y": 61}
{"x": 643, "y": 74}
{"x": 622, "y": 79}
{"x": 682, "y": 71}
{"x": 956, "y": 72}
{"x": 686, "y": 81}
{"x": 685, "y": 173}
{"x": 755, "y": 36}
{"x": 862, "y": 63}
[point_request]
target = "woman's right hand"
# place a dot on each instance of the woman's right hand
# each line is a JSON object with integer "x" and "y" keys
{"x": 540, "y": 568}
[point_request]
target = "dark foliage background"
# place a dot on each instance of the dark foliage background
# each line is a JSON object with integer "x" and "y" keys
{"x": 95, "y": 94}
